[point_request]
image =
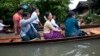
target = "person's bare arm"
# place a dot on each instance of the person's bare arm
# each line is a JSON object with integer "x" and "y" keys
{"x": 6, "y": 25}
{"x": 53, "y": 28}
{"x": 15, "y": 26}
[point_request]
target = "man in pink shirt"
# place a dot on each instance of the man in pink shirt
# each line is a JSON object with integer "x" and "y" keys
{"x": 16, "y": 19}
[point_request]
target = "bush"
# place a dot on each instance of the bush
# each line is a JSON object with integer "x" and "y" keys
{"x": 57, "y": 7}
{"x": 8, "y": 7}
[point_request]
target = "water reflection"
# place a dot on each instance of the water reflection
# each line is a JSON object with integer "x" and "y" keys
{"x": 76, "y": 48}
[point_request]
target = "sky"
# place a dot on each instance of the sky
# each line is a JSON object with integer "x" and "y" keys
{"x": 73, "y": 4}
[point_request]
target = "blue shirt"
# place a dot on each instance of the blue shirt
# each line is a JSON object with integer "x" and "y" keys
{"x": 26, "y": 23}
{"x": 71, "y": 26}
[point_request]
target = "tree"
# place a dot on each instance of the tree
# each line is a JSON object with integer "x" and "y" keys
{"x": 96, "y": 6}
{"x": 7, "y": 8}
{"x": 57, "y": 7}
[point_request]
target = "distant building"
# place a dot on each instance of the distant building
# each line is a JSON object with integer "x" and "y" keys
{"x": 74, "y": 3}
{"x": 79, "y": 6}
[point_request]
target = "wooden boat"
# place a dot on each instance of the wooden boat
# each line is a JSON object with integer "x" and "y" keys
{"x": 94, "y": 29}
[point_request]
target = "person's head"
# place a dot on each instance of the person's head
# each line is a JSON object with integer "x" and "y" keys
{"x": 54, "y": 17}
{"x": 71, "y": 14}
{"x": 1, "y": 21}
{"x": 26, "y": 15}
{"x": 0, "y": 18}
{"x": 48, "y": 15}
{"x": 35, "y": 9}
{"x": 20, "y": 10}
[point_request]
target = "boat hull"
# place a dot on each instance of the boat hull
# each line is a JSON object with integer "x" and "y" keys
{"x": 16, "y": 39}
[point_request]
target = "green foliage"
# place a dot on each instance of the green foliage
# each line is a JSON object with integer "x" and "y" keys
{"x": 7, "y": 9}
{"x": 57, "y": 7}
{"x": 96, "y": 6}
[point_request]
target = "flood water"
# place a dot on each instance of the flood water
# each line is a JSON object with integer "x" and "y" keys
{"x": 67, "y": 48}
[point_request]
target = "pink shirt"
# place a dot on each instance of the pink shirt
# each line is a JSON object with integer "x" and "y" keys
{"x": 17, "y": 17}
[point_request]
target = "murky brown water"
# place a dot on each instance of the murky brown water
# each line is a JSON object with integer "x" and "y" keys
{"x": 68, "y": 48}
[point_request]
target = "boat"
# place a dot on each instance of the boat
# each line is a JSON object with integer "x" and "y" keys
{"x": 95, "y": 34}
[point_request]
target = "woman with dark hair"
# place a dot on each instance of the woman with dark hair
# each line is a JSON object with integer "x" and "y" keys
{"x": 71, "y": 26}
{"x": 50, "y": 32}
{"x": 53, "y": 21}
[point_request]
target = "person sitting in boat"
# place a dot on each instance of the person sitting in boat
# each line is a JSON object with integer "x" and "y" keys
{"x": 2, "y": 26}
{"x": 36, "y": 22}
{"x": 71, "y": 26}
{"x": 53, "y": 22}
{"x": 28, "y": 32}
{"x": 50, "y": 32}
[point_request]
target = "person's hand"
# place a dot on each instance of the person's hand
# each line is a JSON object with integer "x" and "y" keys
{"x": 60, "y": 30}
{"x": 8, "y": 25}
{"x": 41, "y": 25}
{"x": 45, "y": 18}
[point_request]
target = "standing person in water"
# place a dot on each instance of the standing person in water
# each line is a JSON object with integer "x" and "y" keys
{"x": 50, "y": 32}
{"x": 28, "y": 32}
{"x": 16, "y": 19}
{"x": 36, "y": 22}
{"x": 71, "y": 26}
